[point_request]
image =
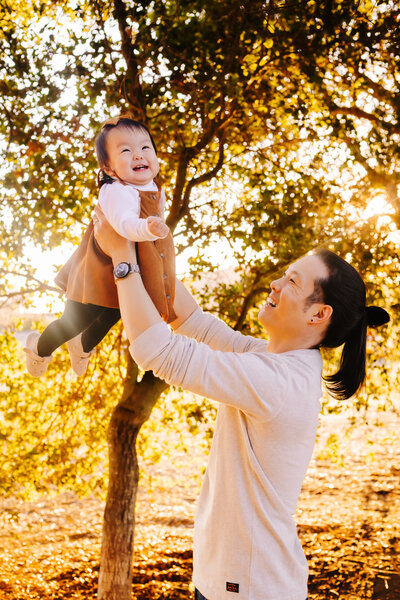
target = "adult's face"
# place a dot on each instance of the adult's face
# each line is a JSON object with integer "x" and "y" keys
{"x": 285, "y": 313}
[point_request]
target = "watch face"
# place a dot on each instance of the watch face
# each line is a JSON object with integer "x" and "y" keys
{"x": 121, "y": 270}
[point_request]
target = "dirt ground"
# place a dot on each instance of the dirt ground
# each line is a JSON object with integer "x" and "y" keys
{"x": 348, "y": 518}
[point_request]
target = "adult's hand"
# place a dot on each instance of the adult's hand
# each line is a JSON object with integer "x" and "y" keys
{"x": 112, "y": 244}
{"x": 137, "y": 310}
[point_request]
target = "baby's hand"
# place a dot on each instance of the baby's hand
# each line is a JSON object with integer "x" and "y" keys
{"x": 157, "y": 227}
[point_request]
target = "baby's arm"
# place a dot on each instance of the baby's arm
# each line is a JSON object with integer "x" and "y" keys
{"x": 157, "y": 227}
{"x": 121, "y": 206}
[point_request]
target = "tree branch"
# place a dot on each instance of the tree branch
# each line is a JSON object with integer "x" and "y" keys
{"x": 354, "y": 111}
{"x": 379, "y": 91}
{"x": 246, "y": 306}
{"x": 131, "y": 86}
{"x": 41, "y": 286}
{"x": 207, "y": 176}
{"x": 107, "y": 45}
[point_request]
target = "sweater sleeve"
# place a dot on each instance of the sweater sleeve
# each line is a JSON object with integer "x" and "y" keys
{"x": 253, "y": 382}
{"x": 163, "y": 201}
{"x": 121, "y": 206}
{"x": 206, "y": 328}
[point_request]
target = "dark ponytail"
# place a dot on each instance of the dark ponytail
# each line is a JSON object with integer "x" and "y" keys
{"x": 344, "y": 290}
{"x": 351, "y": 374}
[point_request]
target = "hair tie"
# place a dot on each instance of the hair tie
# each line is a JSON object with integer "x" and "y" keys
{"x": 376, "y": 316}
{"x": 102, "y": 178}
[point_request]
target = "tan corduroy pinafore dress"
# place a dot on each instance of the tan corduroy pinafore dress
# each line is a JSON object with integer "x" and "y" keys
{"x": 87, "y": 277}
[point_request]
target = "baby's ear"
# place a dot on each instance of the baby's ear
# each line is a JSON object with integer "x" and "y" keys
{"x": 108, "y": 171}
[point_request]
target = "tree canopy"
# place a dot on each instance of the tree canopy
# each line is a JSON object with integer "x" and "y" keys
{"x": 277, "y": 125}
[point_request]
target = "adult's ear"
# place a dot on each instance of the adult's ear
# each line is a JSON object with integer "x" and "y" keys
{"x": 321, "y": 313}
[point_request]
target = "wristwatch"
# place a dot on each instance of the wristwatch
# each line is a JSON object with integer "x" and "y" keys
{"x": 124, "y": 268}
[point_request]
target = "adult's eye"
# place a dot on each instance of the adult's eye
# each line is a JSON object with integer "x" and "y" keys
{"x": 290, "y": 279}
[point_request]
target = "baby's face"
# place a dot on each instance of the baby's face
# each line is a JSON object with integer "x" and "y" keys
{"x": 131, "y": 154}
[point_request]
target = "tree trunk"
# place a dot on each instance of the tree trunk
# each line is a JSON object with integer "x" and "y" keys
{"x": 115, "y": 578}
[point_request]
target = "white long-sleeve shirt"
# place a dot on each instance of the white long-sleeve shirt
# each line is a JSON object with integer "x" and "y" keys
{"x": 245, "y": 540}
{"x": 121, "y": 206}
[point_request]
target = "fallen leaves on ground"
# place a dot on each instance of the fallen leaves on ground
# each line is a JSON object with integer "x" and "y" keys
{"x": 348, "y": 518}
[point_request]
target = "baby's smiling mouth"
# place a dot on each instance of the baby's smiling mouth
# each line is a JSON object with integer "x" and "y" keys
{"x": 140, "y": 167}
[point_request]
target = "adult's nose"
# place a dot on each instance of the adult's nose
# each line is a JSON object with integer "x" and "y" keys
{"x": 276, "y": 285}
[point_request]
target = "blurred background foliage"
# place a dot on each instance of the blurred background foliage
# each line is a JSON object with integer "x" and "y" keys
{"x": 53, "y": 430}
{"x": 277, "y": 124}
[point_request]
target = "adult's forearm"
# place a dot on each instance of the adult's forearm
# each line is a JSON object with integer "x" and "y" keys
{"x": 138, "y": 312}
{"x": 137, "y": 309}
{"x": 184, "y": 304}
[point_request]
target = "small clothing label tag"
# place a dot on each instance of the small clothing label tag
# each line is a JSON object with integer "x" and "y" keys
{"x": 232, "y": 587}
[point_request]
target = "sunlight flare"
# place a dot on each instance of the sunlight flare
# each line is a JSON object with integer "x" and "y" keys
{"x": 377, "y": 206}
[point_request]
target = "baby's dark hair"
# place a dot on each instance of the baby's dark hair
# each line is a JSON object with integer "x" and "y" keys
{"x": 101, "y": 142}
{"x": 344, "y": 291}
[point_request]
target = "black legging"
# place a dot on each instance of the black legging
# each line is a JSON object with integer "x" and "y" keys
{"x": 91, "y": 320}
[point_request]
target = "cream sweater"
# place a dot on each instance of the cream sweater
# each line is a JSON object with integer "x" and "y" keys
{"x": 245, "y": 540}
